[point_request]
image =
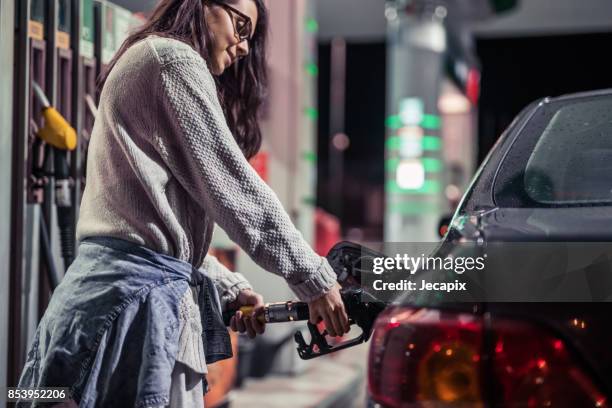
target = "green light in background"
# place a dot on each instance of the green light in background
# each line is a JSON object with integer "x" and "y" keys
{"x": 312, "y": 113}
{"x": 432, "y": 143}
{"x": 432, "y": 165}
{"x": 312, "y": 69}
{"x": 391, "y": 164}
{"x": 429, "y": 187}
{"x": 412, "y": 208}
{"x": 312, "y": 26}
{"x": 309, "y": 157}
{"x": 393, "y": 143}
{"x": 393, "y": 122}
{"x": 431, "y": 121}
{"x": 429, "y": 143}
{"x": 311, "y": 201}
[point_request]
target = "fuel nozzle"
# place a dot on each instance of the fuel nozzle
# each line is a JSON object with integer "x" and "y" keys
{"x": 349, "y": 261}
{"x": 275, "y": 312}
{"x": 286, "y": 312}
{"x": 56, "y": 131}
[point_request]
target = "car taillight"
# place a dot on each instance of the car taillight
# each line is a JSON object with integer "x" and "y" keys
{"x": 430, "y": 358}
{"x": 535, "y": 369}
{"x": 425, "y": 356}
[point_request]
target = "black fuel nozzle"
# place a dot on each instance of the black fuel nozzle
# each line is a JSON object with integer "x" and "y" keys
{"x": 346, "y": 259}
{"x": 361, "y": 309}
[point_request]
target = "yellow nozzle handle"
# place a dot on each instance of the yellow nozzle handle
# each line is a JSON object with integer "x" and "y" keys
{"x": 57, "y": 131}
{"x": 248, "y": 311}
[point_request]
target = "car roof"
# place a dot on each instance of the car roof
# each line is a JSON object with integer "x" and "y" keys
{"x": 577, "y": 95}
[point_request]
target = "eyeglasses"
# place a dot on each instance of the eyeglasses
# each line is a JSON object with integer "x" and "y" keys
{"x": 242, "y": 23}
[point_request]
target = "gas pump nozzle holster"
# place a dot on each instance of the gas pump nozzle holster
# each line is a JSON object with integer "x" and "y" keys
{"x": 57, "y": 131}
{"x": 361, "y": 307}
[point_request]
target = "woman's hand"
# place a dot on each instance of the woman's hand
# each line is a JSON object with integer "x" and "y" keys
{"x": 330, "y": 309}
{"x": 241, "y": 322}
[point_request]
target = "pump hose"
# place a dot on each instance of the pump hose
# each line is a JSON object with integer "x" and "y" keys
{"x": 65, "y": 212}
{"x": 66, "y": 230}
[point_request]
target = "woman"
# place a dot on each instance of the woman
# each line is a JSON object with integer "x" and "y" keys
{"x": 136, "y": 317}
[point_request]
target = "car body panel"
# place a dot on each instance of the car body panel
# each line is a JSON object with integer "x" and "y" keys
{"x": 586, "y": 328}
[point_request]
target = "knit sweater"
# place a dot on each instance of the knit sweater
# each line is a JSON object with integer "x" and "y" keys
{"x": 163, "y": 168}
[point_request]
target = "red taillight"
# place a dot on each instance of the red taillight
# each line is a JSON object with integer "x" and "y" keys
{"x": 425, "y": 357}
{"x": 535, "y": 369}
{"x": 432, "y": 358}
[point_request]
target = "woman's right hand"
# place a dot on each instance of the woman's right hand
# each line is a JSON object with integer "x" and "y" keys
{"x": 330, "y": 309}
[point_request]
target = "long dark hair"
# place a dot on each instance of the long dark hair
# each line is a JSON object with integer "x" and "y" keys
{"x": 241, "y": 88}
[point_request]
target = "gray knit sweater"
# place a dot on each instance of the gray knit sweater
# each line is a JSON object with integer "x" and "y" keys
{"x": 163, "y": 168}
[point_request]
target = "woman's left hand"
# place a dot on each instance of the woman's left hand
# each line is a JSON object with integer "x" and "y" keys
{"x": 251, "y": 324}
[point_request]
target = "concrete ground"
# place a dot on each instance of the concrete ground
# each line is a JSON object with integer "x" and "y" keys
{"x": 337, "y": 380}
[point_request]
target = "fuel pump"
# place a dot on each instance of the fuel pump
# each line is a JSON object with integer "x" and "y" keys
{"x": 58, "y": 133}
{"x": 35, "y": 166}
{"x": 44, "y": 165}
{"x": 30, "y": 185}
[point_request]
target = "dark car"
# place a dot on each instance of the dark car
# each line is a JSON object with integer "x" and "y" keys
{"x": 548, "y": 180}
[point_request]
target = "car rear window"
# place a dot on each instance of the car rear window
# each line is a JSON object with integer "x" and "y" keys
{"x": 563, "y": 157}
